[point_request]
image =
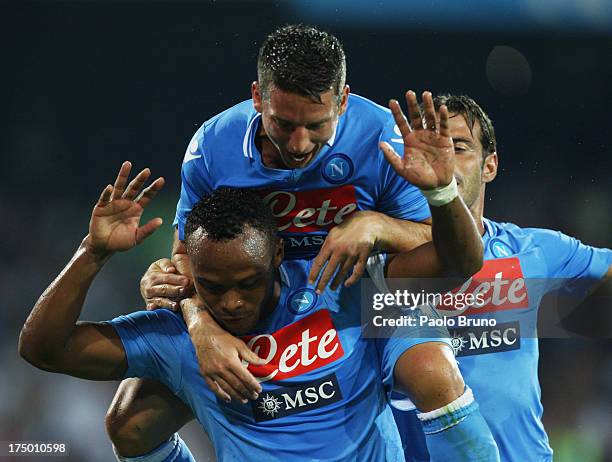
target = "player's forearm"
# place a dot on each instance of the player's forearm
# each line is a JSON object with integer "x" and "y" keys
{"x": 456, "y": 238}
{"x": 195, "y": 317}
{"x": 199, "y": 321}
{"x": 179, "y": 256}
{"x": 401, "y": 236}
{"x": 53, "y": 318}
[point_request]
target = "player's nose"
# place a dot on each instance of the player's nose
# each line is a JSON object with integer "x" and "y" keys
{"x": 232, "y": 304}
{"x": 299, "y": 142}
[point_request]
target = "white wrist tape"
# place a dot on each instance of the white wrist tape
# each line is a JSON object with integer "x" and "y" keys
{"x": 441, "y": 196}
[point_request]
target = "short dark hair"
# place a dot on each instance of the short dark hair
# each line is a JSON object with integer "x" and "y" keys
{"x": 225, "y": 213}
{"x": 468, "y": 108}
{"x": 301, "y": 59}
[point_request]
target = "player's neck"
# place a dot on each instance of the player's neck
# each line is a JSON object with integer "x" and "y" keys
{"x": 269, "y": 153}
{"x": 477, "y": 211}
{"x": 274, "y": 299}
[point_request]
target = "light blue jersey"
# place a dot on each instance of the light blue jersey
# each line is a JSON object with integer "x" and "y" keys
{"x": 323, "y": 396}
{"x": 349, "y": 174}
{"x": 500, "y": 363}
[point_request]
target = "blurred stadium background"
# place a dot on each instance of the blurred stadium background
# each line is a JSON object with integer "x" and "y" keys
{"x": 85, "y": 85}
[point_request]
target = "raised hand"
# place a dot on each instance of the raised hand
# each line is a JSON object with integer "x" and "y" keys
{"x": 429, "y": 156}
{"x": 115, "y": 220}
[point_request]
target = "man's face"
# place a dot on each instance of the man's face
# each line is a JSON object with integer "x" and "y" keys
{"x": 236, "y": 279}
{"x": 297, "y": 125}
{"x": 468, "y": 158}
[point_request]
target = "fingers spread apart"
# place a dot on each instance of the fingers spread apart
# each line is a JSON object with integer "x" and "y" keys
{"x": 121, "y": 180}
{"x": 417, "y": 119}
{"x": 414, "y": 112}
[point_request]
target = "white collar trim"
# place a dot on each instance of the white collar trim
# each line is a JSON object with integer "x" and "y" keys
{"x": 247, "y": 149}
{"x": 283, "y": 275}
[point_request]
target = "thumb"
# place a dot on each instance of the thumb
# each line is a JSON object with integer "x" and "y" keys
{"x": 250, "y": 356}
{"x": 392, "y": 157}
{"x": 167, "y": 266}
{"x": 146, "y": 230}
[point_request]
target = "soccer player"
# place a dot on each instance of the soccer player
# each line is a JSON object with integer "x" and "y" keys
{"x": 312, "y": 149}
{"x": 323, "y": 395}
{"x": 521, "y": 265}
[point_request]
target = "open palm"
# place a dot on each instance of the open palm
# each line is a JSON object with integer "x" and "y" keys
{"x": 429, "y": 157}
{"x": 115, "y": 220}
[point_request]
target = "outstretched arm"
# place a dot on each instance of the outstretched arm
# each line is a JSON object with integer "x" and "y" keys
{"x": 428, "y": 163}
{"x": 51, "y": 337}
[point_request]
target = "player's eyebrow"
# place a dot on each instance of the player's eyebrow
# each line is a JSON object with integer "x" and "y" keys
{"x": 460, "y": 139}
{"x": 290, "y": 122}
{"x": 247, "y": 279}
{"x": 203, "y": 280}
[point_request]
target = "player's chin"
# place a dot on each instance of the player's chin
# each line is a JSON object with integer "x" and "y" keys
{"x": 239, "y": 326}
{"x": 299, "y": 161}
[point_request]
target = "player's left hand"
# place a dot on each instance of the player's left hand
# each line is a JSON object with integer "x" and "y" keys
{"x": 115, "y": 220}
{"x": 347, "y": 247}
{"x": 429, "y": 154}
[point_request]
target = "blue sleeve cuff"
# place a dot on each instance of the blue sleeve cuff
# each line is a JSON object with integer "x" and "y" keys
{"x": 132, "y": 349}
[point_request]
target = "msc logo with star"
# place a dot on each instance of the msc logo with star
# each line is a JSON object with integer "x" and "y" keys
{"x": 483, "y": 340}
{"x": 458, "y": 343}
{"x": 297, "y": 398}
{"x": 270, "y": 405}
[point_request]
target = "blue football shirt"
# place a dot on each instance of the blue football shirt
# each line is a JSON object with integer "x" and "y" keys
{"x": 349, "y": 174}
{"x": 500, "y": 363}
{"x": 323, "y": 398}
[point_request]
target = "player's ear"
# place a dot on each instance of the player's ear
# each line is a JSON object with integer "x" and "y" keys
{"x": 279, "y": 253}
{"x": 489, "y": 167}
{"x": 344, "y": 99}
{"x": 256, "y": 95}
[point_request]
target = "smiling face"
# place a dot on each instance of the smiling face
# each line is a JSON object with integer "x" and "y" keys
{"x": 474, "y": 167}
{"x": 298, "y": 126}
{"x": 236, "y": 278}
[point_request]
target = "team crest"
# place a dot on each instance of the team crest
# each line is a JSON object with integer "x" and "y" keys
{"x": 337, "y": 169}
{"x": 302, "y": 301}
{"x": 500, "y": 249}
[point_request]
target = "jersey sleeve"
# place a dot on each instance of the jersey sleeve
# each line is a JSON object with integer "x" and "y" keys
{"x": 153, "y": 342}
{"x": 573, "y": 267}
{"x": 399, "y": 198}
{"x": 196, "y": 180}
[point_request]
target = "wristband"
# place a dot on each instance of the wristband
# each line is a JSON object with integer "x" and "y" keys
{"x": 443, "y": 195}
